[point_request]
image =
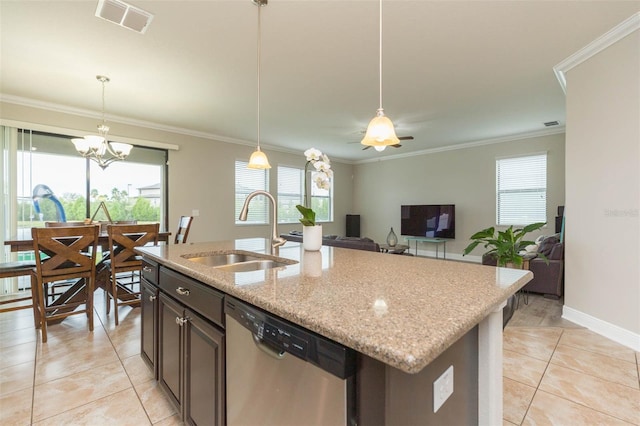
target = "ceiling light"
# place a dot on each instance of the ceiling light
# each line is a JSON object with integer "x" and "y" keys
{"x": 259, "y": 159}
{"x": 380, "y": 132}
{"x": 95, "y": 147}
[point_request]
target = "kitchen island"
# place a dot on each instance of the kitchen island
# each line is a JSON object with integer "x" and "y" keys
{"x": 399, "y": 311}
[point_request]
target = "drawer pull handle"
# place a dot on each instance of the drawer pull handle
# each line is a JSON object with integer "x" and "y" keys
{"x": 182, "y": 321}
{"x": 147, "y": 269}
{"x": 152, "y": 298}
{"x": 183, "y": 291}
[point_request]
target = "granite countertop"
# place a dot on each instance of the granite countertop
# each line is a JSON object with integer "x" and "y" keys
{"x": 401, "y": 310}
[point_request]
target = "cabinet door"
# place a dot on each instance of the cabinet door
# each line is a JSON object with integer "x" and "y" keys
{"x": 204, "y": 373}
{"x": 170, "y": 348}
{"x": 149, "y": 338}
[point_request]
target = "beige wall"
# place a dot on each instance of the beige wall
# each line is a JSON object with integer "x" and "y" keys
{"x": 201, "y": 175}
{"x": 603, "y": 187}
{"x": 464, "y": 177}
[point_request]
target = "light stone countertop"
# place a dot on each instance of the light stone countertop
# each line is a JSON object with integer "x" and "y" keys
{"x": 401, "y": 310}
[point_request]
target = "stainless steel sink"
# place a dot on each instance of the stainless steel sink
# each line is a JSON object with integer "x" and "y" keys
{"x": 251, "y": 265}
{"x": 235, "y": 261}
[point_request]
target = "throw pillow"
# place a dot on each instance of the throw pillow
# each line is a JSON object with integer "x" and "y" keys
{"x": 547, "y": 245}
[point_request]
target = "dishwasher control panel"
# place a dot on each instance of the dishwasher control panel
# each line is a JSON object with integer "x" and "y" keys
{"x": 285, "y": 336}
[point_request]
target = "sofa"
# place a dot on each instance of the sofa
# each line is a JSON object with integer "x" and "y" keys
{"x": 548, "y": 274}
{"x": 356, "y": 243}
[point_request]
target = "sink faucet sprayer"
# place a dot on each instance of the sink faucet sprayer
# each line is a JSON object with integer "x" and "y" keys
{"x": 276, "y": 241}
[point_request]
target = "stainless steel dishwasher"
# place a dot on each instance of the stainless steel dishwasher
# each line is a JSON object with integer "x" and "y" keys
{"x": 281, "y": 374}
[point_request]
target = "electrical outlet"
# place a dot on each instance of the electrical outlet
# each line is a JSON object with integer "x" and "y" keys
{"x": 442, "y": 388}
{"x": 195, "y": 213}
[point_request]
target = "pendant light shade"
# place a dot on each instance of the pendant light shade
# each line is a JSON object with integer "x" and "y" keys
{"x": 380, "y": 132}
{"x": 258, "y": 159}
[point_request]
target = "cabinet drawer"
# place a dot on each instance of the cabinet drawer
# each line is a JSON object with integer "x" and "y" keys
{"x": 150, "y": 271}
{"x": 202, "y": 299}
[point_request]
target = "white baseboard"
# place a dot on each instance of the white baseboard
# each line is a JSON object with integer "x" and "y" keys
{"x": 610, "y": 331}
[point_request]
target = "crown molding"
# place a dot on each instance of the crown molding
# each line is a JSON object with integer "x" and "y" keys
{"x": 138, "y": 123}
{"x": 519, "y": 136}
{"x": 614, "y": 35}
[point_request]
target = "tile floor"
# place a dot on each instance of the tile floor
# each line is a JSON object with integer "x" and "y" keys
{"x": 554, "y": 373}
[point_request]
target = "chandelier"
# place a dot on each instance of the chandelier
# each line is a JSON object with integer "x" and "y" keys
{"x": 380, "y": 132}
{"x": 96, "y": 147}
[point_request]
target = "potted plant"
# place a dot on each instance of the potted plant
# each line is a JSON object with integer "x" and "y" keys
{"x": 311, "y": 231}
{"x": 505, "y": 245}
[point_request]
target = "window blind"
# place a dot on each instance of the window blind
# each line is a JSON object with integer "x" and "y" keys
{"x": 521, "y": 190}
{"x": 290, "y": 193}
{"x": 247, "y": 181}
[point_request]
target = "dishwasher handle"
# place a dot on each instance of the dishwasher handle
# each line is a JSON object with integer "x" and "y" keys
{"x": 268, "y": 349}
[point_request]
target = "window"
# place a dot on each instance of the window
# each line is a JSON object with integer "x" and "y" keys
{"x": 521, "y": 190}
{"x": 52, "y": 183}
{"x": 290, "y": 193}
{"x": 321, "y": 201}
{"x": 247, "y": 181}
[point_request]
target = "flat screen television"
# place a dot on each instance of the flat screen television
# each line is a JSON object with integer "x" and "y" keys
{"x": 428, "y": 220}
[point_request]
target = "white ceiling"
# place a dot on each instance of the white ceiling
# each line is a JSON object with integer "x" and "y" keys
{"x": 455, "y": 72}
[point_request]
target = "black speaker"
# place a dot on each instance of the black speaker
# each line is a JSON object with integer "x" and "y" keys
{"x": 353, "y": 225}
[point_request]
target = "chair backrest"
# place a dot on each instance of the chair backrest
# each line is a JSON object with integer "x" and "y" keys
{"x": 183, "y": 229}
{"x": 62, "y": 224}
{"x": 65, "y": 252}
{"x": 123, "y": 239}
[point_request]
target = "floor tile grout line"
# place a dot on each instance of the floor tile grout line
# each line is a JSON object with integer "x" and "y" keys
{"x": 542, "y": 377}
{"x": 35, "y": 367}
{"x": 568, "y": 367}
{"x": 124, "y": 368}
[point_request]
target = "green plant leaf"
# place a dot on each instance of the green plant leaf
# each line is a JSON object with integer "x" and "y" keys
{"x": 308, "y": 215}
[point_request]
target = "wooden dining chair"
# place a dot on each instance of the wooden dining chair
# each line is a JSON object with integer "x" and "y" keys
{"x": 183, "y": 229}
{"x": 64, "y": 253}
{"x": 16, "y": 301}
{"x": 123, "y": 239}
{"x": 63, "y": 224}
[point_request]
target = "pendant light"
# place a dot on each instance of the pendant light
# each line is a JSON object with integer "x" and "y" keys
{"x": 259, "y": 159}
{"x": 380, "y": 132}
{"x": 95, "y": 147}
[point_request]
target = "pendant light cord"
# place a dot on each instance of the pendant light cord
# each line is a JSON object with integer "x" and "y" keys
{"x": 258, "y": 60}
{"x": 380, "y": 65}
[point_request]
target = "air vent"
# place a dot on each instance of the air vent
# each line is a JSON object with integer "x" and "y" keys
{"x": 551, "y": 123}
{"x": 124, "y": 14}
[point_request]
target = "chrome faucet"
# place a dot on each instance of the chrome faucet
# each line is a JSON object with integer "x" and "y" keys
{"x": 276, "y": 241}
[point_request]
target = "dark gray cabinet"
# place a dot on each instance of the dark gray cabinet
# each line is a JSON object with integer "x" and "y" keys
{"x": 191, "y": 348}
{"x": 149, "y": 325}
{"x": 149, "y": 306}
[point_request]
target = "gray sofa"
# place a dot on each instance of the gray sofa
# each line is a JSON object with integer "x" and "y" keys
{"x": 356, "y": 243}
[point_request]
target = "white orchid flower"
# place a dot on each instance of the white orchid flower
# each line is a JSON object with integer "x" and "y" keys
{"x": 321, "y": 166}
{"x": 313, "y": 154}
{"x": 322, "y": 182}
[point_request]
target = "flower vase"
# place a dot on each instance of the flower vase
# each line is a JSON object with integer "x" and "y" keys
{"x": 392, "y": 239}
{"x": 312, "y": 237}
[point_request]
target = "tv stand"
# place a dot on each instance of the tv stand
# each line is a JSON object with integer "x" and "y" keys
{"x": 436, "y": 241}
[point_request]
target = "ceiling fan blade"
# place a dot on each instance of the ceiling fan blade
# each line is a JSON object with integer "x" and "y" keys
{"x": 405, "y": 138}
{"x": 396, "y": 145}
{"x": 366, "y": 147}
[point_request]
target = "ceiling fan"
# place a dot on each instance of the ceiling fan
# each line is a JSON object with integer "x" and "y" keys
{"x": 402, "y": 138}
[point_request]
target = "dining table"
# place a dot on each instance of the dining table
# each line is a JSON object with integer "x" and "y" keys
{"x": 74, "y": 291}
